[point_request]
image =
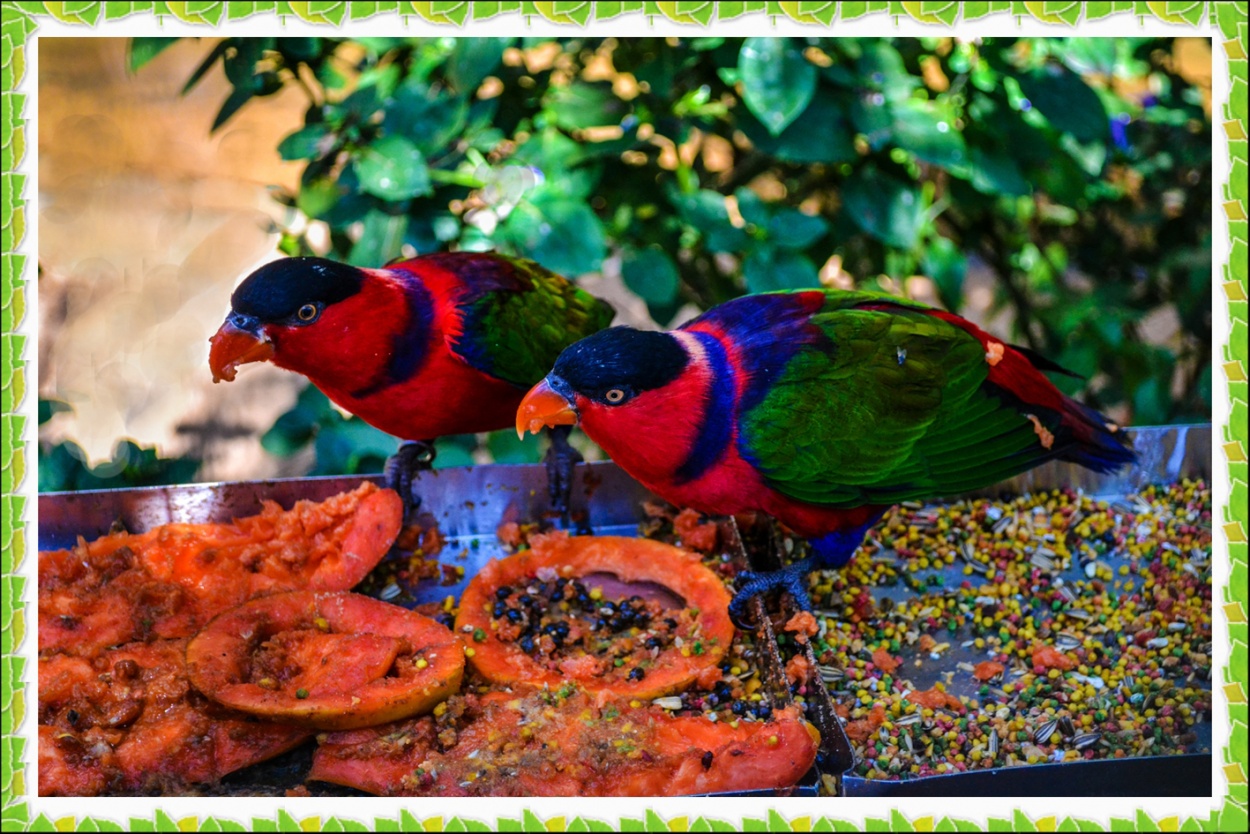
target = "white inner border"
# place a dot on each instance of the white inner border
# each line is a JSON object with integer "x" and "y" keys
{"x": 612, "y": 810}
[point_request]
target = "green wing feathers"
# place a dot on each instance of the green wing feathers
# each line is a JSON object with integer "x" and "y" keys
{"x": 893, "y": 406}
{"x": 516, "y": 330}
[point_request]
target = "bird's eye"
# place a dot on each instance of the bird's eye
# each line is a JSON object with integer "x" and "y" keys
{"x": 307, "y": 313}
{"x": 614, "y": 395}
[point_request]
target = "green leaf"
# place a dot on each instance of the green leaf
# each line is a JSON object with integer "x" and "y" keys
{"x": 777, "y": 81}
{"x": 946, "y": 265}
{"x": 506, "y": 447}
{"x": 753, "y": 208}
{"x": 705, "y": 211}
{"x": 1066, "y": 101}
{"x": 768, "y": 269}
{"x": 927, "y": 131}
{"x": 473, "y": 59}
{"x": 451, "y": 451}
{"x": 380, "y": 240}
{"x": 822, "y": 135}
{"x": 560, "y": 233}
{"x": 392, "y": 168}
{"x": 996, "y": 172}
{"x": 651, "y": 274}
{"x": 143, "y": 50}
{"x": 884, "y": 207}
{"x": 207, "y": 64}
{"x": 433, "y": 120}
{"x": 351, "y": 447}
{"x": 317, "y": 197}
{"x": 304, "y": 143}
{"x": 880, "y": 68}
{"x": 792, "y": 229}
{"x": 1090, "y": 55}
{"x": 581, "y": 105}
{"x": 47, "y": 408}
{"x": 240, "y": 64}
{"x": 238, "y": 97}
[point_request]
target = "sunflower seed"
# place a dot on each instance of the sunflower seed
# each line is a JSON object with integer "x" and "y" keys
{"x": 1066, "y": 641}
{"x": 1067, "y": 727}
{"x": 1157, "y": 643}
{"x": 1092, "y": 680}
{"x": 1047, "y": 730}
{"x": 993, "y": 743}
{"x": 906, "y": 720}
{"x": 671, "y": 702}
{"x": 1078, "y": 614}
{"x": 829, "y": 674}
{"x": 1085, "y": 740}
{"x": 1042, "y": 562}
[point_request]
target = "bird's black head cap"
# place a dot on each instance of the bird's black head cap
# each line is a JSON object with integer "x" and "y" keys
{"x": 278, "y": 289}
{"x": 620, "y": 358}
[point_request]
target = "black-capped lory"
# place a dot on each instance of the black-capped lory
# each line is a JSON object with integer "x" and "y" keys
{"x": 820, "y": 408}
{"x": 440, "y": 344}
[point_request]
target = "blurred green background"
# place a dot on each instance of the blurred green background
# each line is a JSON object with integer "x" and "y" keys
{"x": 1055, "y": 190}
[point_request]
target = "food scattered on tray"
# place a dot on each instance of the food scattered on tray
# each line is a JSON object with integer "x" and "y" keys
{"x": 127, "y": 720}
{"x": 329, "y": 661}
{"x": 553, "y": 705}
{"x": 117, "y": 712}
{"x": 169, "y": 581}
{"x": 973, "y": 635}
{"x": 539, "y": 618}
{"x": 567, "y": 742}
{"x": 1049, "y": 628}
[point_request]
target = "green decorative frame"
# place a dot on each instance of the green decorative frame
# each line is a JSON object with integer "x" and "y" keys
{"x": 1226, "y": 25}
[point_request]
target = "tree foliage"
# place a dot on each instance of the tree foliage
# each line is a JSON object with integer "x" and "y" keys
{"x": 1077, "y": 170}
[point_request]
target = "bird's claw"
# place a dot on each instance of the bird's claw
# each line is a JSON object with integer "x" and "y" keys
{"x": 792, "y": 579}
{"x": 560, "y": 460}
{"x": 403, "y": 469}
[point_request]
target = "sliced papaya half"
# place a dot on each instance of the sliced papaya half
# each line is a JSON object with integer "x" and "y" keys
{"x": 331, "y": 661}
{"x": 567, "y": 610}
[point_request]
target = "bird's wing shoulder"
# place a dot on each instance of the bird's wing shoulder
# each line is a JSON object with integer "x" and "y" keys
{"x": 890, "y": 404}
{"x": 516, "y": 316}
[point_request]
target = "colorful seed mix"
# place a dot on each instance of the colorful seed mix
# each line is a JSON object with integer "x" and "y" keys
{"x": 1074, "y": 629}
{"x": 1054, "y": 627}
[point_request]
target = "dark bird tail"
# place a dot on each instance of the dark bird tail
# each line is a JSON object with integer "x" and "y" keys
{"x": 1096, "y": 442}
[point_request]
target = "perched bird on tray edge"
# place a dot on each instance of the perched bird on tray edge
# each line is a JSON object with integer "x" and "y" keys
{"x": 440, "y": 344}
{"x": 821, "y": 408}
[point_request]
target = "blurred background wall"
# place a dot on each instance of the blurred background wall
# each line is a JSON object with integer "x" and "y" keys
{"x": 1077, "y": 222}
{"x": 146, "y": 222}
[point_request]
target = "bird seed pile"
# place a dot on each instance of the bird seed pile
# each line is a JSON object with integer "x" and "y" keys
{"x": 1049, "y": 628}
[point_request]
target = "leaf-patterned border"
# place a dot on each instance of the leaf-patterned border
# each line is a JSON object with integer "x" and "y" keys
{"x": 1225, "y": 22}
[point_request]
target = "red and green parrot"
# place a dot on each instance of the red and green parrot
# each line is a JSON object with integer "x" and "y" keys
{"x": 436, "y": 345}
{"x": 821, "y": 408}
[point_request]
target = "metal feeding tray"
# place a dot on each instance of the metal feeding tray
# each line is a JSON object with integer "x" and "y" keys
{"x": 469, "y": 504}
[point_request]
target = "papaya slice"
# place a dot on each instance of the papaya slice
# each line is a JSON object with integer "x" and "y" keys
{"x": 128, "y": 721}
{"x": 531, "y": 743}
{"x": 542, "y": 617}
{"x": 329, "y": 661}
{"x": 168, "y": 582}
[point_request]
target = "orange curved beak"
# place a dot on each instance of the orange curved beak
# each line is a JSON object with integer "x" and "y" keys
{"x": 543, "y": 408}
{"x": 233, "y": 346}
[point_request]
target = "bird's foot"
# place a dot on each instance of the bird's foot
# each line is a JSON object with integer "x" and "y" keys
{"x": 750, "y": 584}
{"x": 560, "y": 460}
{"x": 404, "y": 468}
